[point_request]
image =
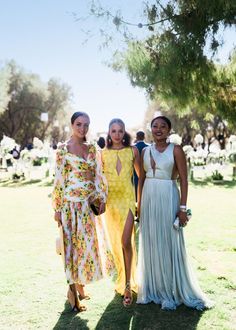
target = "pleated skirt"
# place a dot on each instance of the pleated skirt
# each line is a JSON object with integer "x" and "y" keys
{"x": 164, "y": 273}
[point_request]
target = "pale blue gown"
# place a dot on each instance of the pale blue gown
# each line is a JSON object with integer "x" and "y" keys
{"x": 164, "y": 274}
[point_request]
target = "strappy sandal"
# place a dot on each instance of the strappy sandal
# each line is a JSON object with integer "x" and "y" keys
{"x": 81, "y": 296}
{"x": 75, "y": 307}
{"x": 127, "y": 300}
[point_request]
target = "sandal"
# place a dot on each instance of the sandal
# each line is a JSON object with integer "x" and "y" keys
{"x": 80, "y": 289}
{"x": 75, "y": 305}
{"x": 128, "y": 299}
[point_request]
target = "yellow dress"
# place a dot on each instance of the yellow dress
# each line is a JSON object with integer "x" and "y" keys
{"x": 121, "y": 199}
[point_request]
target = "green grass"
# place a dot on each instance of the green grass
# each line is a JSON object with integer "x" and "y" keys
{"x": 32, "y": 282}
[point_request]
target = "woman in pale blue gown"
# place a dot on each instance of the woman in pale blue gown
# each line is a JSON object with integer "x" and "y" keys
{"x": 164, "y": 274}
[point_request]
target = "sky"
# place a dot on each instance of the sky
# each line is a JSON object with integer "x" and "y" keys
{"x": 43, "y": 38}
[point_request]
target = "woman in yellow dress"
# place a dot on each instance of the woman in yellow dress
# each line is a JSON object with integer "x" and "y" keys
{"x": 119, "y": 160}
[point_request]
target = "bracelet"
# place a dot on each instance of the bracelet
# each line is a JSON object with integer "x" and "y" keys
{"x": 182, "y": 210}
{"x": 183, "y": 207}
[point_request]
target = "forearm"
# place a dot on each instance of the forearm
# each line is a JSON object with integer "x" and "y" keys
{"x": 183, "y": 191}
{"x": 140, "y": 189}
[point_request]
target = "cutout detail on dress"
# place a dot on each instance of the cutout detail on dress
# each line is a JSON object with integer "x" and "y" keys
{"x": 118, "y": 165}
{"x": 153, "y": 163}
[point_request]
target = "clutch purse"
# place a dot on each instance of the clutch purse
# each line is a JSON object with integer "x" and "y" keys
{"x": 95, "y": 207}
{"x": 176, "y": 223}
{"x": 60, "y": 243}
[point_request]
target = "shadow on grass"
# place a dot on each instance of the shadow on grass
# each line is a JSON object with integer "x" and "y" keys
{"x": 208, "y": 182}
{"x": 18, "y": 183}
{"x": 22, "y": 183}
{"x": 70, "y": 320}
{"x": 199, "y": 182}
{"x": 149, "y": 316}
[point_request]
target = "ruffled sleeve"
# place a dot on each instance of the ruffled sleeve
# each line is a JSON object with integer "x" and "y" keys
{"x": 100, "y": 179}
{"x": 58, "y": 190}
{"x": 101, "y": 187}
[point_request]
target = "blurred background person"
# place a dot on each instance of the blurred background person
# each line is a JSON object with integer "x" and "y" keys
{"x": 139, "y": 144}
{"x": 101, "y": 142}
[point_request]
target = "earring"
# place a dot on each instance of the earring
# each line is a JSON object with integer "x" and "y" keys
{"x": 123, "y": 140}
{"x": 109, "y": 140}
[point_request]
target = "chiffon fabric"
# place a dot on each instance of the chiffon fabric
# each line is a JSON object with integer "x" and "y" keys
{"x": 86, "y": 246}
{"x": 164, "y": 274}
{"x": 120, "y": 200}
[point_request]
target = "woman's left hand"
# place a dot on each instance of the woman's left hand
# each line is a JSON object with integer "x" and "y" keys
{"x": 183, "y": 219}
{"x": 102, "y": 208}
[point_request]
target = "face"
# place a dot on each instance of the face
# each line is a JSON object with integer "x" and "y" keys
{"x": 116, "y": 133}
{"x": 160, "y": 130}
{"x": 80, "y": 126}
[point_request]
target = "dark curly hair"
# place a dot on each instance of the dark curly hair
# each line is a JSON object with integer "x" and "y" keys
{"x": 126, "y": 139}
{"x": 167, "y": 120}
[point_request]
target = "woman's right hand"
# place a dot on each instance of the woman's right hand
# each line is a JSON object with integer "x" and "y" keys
{"x": 57, "y": 218}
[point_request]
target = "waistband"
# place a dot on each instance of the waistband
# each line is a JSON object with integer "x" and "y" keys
{"x": 155, "y": 178}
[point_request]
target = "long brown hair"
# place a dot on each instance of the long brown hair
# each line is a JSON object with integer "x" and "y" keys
{"x": 126, "y": 139}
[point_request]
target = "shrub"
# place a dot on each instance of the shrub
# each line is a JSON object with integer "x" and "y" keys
{"x": 216, "y": 175}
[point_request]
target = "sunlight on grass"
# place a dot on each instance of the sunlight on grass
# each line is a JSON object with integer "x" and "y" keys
{"x": 33, "y": 287}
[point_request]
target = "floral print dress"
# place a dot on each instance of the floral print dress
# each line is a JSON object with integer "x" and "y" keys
{"x": 86, "y": 246}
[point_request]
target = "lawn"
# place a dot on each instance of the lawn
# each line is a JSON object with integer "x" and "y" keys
{"x": 33, "y": 287}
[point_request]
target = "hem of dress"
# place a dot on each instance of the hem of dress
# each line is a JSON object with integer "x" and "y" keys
{"x": 168, "y": 305}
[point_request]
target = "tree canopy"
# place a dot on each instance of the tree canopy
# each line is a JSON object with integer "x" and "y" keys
{"x": 24, "y": 97}
{"x": 174, "y": 60}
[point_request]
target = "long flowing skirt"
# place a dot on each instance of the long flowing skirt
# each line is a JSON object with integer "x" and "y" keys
{"x": 86, "y": 246}
{"x": 164, "y": 274}
{"x": 115, "y": 221}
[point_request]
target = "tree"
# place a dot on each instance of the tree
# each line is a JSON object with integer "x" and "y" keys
{"x": 187, "y": 126}
{"x": 27, "y": 98}
{"x": 171, "y": 62}
{"x": 4, "y": 86}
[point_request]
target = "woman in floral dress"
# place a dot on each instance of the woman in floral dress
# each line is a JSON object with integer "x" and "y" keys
{"x": 78, "y": 181}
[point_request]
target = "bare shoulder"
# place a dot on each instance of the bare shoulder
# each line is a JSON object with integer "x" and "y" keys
{"x": 178, "y": 149}
{"x": 144, "y": 150}
{"x": 135, "y": 150}
{"x": 179, "y": 153}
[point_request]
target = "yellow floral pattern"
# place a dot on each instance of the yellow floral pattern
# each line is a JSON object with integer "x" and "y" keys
{"x": 87, "y": 253}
